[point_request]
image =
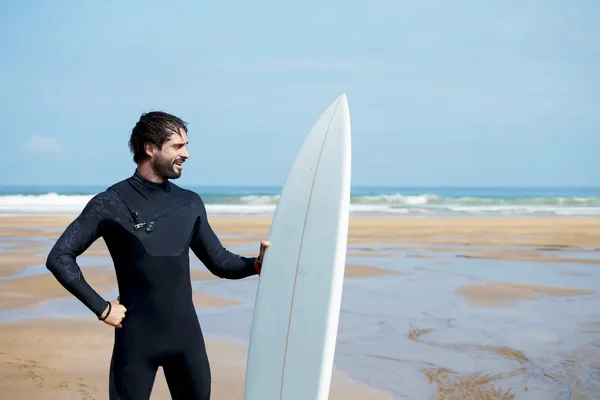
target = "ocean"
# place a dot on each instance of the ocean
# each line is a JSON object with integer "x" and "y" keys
{"x": 407, "y": 201}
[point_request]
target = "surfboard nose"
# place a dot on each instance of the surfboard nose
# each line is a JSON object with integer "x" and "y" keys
{"x": 342, "y": 112}
{"x": 342, "y": 101}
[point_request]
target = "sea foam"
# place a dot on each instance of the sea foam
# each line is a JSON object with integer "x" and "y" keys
{"x": 384, "y": 204}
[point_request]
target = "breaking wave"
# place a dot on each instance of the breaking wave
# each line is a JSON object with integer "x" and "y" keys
{"x": 387, "y": 204}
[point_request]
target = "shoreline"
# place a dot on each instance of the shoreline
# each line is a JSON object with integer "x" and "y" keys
{"x": 353, "y": 215}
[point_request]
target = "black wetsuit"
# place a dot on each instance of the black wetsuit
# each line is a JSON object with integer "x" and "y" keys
{"x": 148, "y": 229}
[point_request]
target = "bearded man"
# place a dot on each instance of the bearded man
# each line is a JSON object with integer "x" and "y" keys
{"x": 149, "y": 224}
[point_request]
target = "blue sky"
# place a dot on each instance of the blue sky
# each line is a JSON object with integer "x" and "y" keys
{"x": 454, "y": 93}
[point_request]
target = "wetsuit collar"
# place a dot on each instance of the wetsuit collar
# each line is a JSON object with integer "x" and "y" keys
{"x": 149, "y": 184}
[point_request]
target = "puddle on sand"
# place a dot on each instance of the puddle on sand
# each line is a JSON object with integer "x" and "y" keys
{"x": 6, "y": 245}
{"x": 40, "y": 269}
{"x": 497, "y": 270}
{"x": 415, "y": 342}
{"x": 8, "y": 242}
{"x": 69, "y": 308}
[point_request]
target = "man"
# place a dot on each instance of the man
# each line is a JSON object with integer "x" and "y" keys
{"x": 149, "y": 224}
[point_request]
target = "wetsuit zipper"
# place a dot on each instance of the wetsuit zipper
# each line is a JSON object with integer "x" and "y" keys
{"x": 140, "y": 222}
{"x": 150, "y": 220}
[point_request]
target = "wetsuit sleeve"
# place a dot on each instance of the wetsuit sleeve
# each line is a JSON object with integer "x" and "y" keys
{"x": 218, "y": 260}
{"x": 78, "y": 236}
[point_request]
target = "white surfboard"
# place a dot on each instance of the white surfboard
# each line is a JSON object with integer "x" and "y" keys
{"x": 295, "y": 321}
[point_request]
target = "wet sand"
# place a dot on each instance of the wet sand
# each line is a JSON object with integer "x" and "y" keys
{"x": 433, "y": 308}
{"x": 507, "y": 293}
{"x": 12, "y": 261}
{"x": 559, "y": 233}
{"x": 30, "y": 291}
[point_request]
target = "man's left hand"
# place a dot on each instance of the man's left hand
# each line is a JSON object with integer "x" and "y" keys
{"x": 263, "y": 246}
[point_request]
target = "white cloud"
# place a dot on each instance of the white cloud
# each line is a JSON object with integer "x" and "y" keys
{"x": 43, "y": 144}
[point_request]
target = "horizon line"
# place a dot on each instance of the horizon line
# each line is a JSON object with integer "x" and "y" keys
{"x": 407, "y": 186}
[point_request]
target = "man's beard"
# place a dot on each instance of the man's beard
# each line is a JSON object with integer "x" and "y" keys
{"x": 164, "y": 168}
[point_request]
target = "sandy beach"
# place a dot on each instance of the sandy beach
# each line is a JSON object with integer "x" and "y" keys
{"x": 63, "y": 359}
{"x": 433, "y": 308}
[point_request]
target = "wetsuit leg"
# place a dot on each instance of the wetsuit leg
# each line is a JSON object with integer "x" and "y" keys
{"x": 188, "y": 373}
{"x": 131, "y": 377}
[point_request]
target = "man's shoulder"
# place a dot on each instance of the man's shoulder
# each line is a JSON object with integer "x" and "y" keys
{"x": 101, "y": 203}
{"x": 188, "y": 194}
{"x": 108, "y": 195}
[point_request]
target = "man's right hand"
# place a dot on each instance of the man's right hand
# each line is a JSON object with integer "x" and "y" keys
{"x": 117, "y": 313}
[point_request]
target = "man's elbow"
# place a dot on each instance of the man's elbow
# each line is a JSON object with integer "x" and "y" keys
{"x": 219, "y": 271}
{"x": 56, "y": 263}
{"x": 52, "y": 261}
{"x": 224, "y": 271}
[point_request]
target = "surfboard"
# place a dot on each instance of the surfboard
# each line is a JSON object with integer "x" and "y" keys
{"x": 297, "y": 306}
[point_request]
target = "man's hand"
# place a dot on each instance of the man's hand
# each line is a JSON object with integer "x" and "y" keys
{"x": 263, "y": 246}
{"x": 117, "y": 313}
{"x": 258, "y": 264}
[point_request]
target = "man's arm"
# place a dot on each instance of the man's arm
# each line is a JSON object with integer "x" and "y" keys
{"x": 214, "y": 256}
{"x": 78, "y": 236}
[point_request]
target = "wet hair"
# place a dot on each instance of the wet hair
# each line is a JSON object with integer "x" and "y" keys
{"x": 154, "y": 127}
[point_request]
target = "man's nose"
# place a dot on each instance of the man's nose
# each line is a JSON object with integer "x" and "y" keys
{"x": 185, "y": 153}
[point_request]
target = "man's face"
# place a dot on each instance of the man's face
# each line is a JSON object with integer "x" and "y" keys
{"x": 167, "y": 162}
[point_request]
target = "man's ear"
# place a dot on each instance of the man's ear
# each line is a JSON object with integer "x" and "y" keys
{"x": 150, "y": 149}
